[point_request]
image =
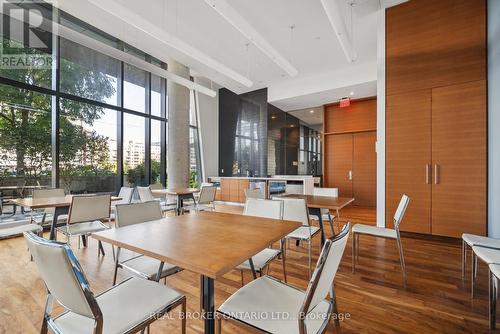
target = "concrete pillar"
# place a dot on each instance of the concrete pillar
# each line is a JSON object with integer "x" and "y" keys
{"x": 178, "y": 129}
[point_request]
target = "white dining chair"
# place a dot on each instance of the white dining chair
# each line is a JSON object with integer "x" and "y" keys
{"x": 382, "y": 232}
{"x": 471, "y": 240}
{"x": 303, "y": 311}
{"x": 255, "y": 193}
{"x": 295, "y": 209}
{"x": 325, "y": 213}
{"x": 141, "y": 265}
{"x": 485, "y": 254}
{"x": 205, "y": 200}
{"x": 264, "y": 209}
{"x": 494, "y": 275}
{"x": 128, "y": 307}
{"x": 126, "y": 194}
{"x": 86, "y": 216}
{"x": 49, "y": 212}
{"x": 145, "y": 195}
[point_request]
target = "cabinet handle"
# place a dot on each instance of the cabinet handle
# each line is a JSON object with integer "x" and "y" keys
{"x": 350, "y": 175}
{"x": 428, "y": 174}
{"x": 436, "y": 174}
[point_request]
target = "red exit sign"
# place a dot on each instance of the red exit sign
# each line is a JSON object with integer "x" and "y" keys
{"x": 345, "y": 102}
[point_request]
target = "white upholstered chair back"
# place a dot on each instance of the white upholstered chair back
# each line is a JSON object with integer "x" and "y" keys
{"x": 263, "y": 208}
{"x": 145, "y": 194}
{"x": 295, "y": 209}
{"x": 330, "y": 192}
{"x": 135, "y": 213}
{"x": 207, "y": 194}
{"x": 45, "y": 193}
{"x": 62, "y": 274}
{"x": 125, "y": 194}
{"x": 255, "y": 193}
{"x": 400, "y": 211}
{"x": 322, "y": 279}
{"x": 89, "y": 208}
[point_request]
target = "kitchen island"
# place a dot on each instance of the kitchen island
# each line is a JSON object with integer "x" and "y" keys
{"x": 232, "y": 189}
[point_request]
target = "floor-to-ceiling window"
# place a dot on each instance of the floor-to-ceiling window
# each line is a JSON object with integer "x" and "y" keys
{"x": 194, "y": 144}
{"x": 87, "y": 123}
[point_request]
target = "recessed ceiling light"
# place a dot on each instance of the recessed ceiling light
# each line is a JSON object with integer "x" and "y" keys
{"x": 351, "y": 93}
{"x": 273, "y": 117}
{"x": 311, "y": 111}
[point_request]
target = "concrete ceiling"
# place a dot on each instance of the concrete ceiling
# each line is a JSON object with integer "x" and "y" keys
{"x": 215, "y": 48}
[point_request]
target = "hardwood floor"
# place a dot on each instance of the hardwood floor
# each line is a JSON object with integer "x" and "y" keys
{"x": 435, "y": 301}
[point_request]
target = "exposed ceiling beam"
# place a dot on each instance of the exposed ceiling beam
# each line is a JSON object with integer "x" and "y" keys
{"x": 247, "y": 30}
{"x": 333, "y": 9}
{"x": 110, "y": 51}
{"x": 163, "y": 36}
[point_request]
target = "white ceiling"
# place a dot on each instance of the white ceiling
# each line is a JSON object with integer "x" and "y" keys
{"x": 219, "y": 49}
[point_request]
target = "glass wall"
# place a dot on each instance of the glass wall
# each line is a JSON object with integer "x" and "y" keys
{"x": 111, "y": 116}
{"x": 25, "y": 140}
{"x": 309, "y": 151}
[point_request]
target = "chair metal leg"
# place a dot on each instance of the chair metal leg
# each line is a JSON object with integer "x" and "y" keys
{"x": 283, "y": 261}
{"x": 493, "y": 286}
{"x": 402, "y": 260}
{"x": 116, "y": 265}
{"x": 242, "y": 280}
{"x": 331, "y": 223}
{"x": 309, "y": 251}
{"x": 353, "y": 255}
{"x": 464, "y": 258}
{"x": 100, "y": 248}
{"x": 184, "y": 316}
{"x": 335, "y": 310}
{"x": 473, "y": 274}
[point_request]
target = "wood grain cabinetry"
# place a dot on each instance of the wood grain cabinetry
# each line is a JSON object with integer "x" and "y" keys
{"x": 436, "y": 115}
{"x": 233, "y": 190}
{"x": 408, "y": 158}
{"x": 338, "y": 152}
{"x": 459, "y": 159}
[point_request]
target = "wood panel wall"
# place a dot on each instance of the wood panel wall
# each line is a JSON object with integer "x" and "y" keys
{"x": 435, "y": 43}
{"x": 436, "y": 110}
{"x": 361, "y": 115}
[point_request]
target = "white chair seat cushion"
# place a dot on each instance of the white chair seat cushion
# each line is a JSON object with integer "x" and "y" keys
{"x": 123, "y": 307}
{"x": 324, "y": 217}
{"x": 145, "y": 265}
{"x": 199, "y": 207}
{"x": 83, "y": 228}
{"x": 488, "y": 255}
{"x": 168, "y": 207}
{"x": 303, "y": 233}
{"x": 18, "y": 230}
{"x": 375, "y": 231}
{"x": 478, "y": 240}
{"x": 277, "y": 306}
{"x": 495, "y": 269}
{"x": 261, "y": 259}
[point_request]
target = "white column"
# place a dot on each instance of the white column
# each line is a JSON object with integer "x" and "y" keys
{"x": 178, "y": 129}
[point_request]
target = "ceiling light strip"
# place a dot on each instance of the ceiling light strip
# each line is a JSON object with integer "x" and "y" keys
{"x": 245, "y": 28}
{"x": 164, "y": 37}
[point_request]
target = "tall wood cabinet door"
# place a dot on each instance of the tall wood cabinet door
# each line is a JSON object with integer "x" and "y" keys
{"x": 459, "y": 155}
{"x": 339, "y": 160}
{"x": 364, "y": 168}
{"x": 408, "y": 158}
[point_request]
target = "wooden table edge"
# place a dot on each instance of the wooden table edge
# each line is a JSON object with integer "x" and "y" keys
{"x": 180, "y": 263}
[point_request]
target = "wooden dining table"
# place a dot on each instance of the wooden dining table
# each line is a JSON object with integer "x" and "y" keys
{"x": 60, "y": 204}
{"x": 180, "y": 193}
{"x": 207, "y": 243}
{"x": 316, "y": 203}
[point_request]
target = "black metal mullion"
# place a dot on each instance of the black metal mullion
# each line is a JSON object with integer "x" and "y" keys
{"x": 147, "y": 132}
{"x": 163, "y": 132}
{"x": 119, "y": 125}
{"x": 56, "y": 75}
